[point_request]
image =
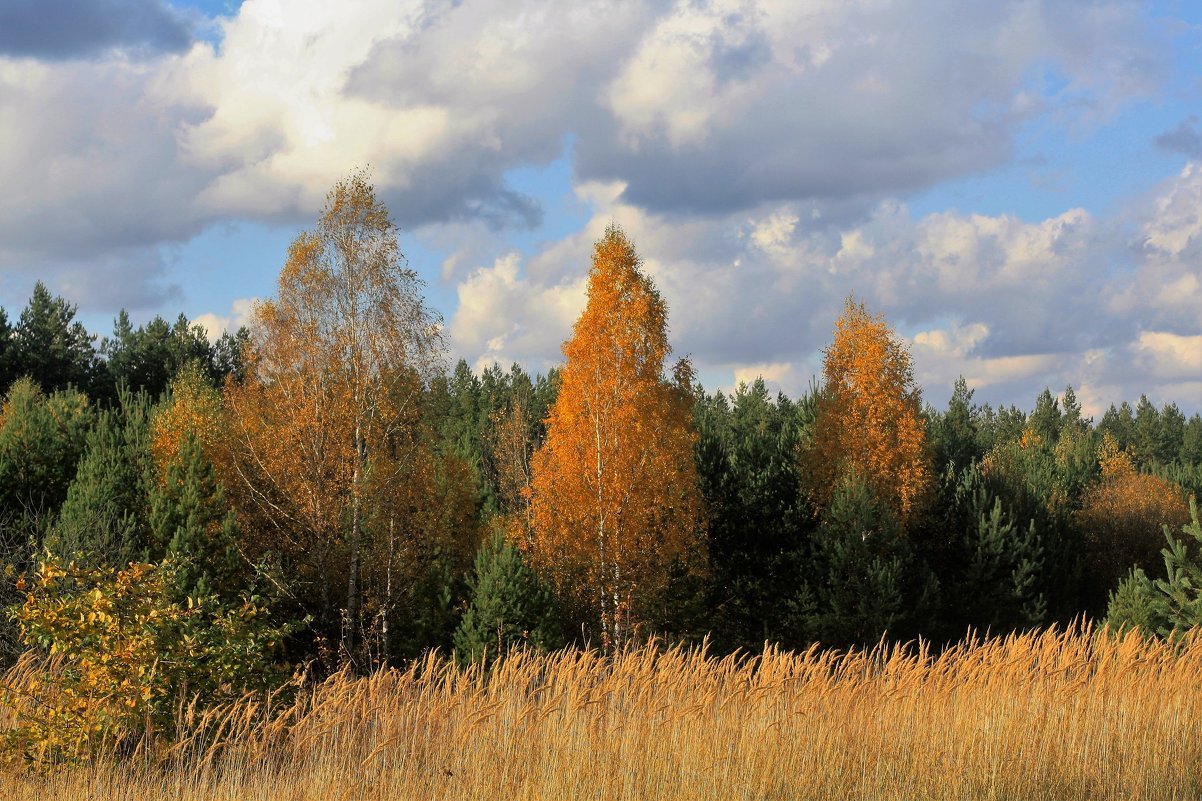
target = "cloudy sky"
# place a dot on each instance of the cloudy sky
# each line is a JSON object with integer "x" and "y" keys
{"x": 1015, "y": 184}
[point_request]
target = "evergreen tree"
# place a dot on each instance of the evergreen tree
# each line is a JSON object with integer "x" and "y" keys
{"x": 994, "y": 572}
{"x": 1046, "y": 420}
{"x": 509, "y": 606}
{"x": 864, "y": 580}
{"x": 41, "y": 441}
{"x": 1120, "y": 424}
{"x": 1073, "y": 420}
{"x": 1167, "y": 605}
{"x": 759, "y": 521}
{"x": 191, "y": 522}
{"x": 8, "y": 353}
{"x": 1147, "y": 444}
{"x": 105, "y": 517}
{"x": 149, "y": 357}
{"x": 52, "y": 347}
{"x": 1190, "y": 452}
{"x": 954, "y": 434}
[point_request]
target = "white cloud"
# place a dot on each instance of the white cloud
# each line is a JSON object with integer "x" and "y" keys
{"x": 217, "y": 324}
{"x": 503, "y": 318}
{"x": 717, "y": 105}
{"x": 1011, "y": 305}
{"x": 1170, "y": 356}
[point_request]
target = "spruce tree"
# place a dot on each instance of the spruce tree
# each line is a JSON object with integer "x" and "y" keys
{"x": 509, "y": 606}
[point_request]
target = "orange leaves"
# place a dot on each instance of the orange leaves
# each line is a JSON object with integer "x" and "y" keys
{"x": 195, "y": 410}
{"x": 1122, "y": 517}
{"x": 614, "y": 496}
{"x": 869, "y": 421}
{"x": 335, "y": 366}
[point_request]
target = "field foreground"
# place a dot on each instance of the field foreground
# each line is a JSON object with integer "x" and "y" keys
{"x": 1054, "y": 715}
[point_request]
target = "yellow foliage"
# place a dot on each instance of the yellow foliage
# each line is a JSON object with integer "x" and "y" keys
{"x": 614, "y": 496}
{"x": 869, "y": 420}
{"x": 194, "y": 410}
{"x": 1123, "y": 515}
{"x": 1044, "y": 715}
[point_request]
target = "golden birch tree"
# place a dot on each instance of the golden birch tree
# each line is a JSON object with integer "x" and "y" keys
{"x": 335, "y": 368}
{"x": 869, "y": 422}
{"x": 614, "y": 496}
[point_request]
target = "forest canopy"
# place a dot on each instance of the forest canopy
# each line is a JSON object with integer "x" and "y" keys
{"x": 320, "y": 488}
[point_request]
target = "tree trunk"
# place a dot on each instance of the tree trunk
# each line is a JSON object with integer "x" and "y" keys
{"x": 352, "y": 582}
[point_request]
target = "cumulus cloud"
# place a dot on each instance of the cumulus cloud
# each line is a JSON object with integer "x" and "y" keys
{"x": 758, "y": 151}
{"x": 1011, "y": 305}
{"x": 217, "y": 324}
{"x": 849, "y": 100}
{"x": 712, "y": 106}
{"x": 504, "y": 318}
{"x": 68, "y": 29}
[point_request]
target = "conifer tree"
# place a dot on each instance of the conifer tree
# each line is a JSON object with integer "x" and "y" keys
{"x": 955, "y": 435}
{"x": 8, "y": 353}
{"x": 759, "y": 521}
{"x": 1169, "y": 604}
{"x": 52, "y": 347}
{"x": 41, "y": 441}
{"x": 509, "y": 606}
{"x": 863, "y": 580}
{"x": 104, "y": 519}
{"x": 191, "y": 522}
{"x": 996, "y": 570}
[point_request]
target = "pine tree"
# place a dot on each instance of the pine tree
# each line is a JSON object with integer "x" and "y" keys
{"x": 759, "y": 520}
{"x": 42, "y": 439}
{"x": 149, "y": 357}
{"x": 1046, "y": 420}
{"x": 191, "y": 522}
{"x": 1167, "y": 605}
{"x": 104, "y": 519}
{"x": 955, "y": 434}
{"x": 52, "y": 347}
{"x": 995, "y": 573}
{"x": 509, "y": 606}
{"x": 864, "y": 580}
{"x": 8, "y": 354}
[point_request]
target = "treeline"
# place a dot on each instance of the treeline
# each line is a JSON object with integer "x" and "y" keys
{"x": 320, "y": 487}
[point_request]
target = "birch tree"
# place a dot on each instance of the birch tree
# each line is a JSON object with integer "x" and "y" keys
{"x": 614, "y": 490}
{"x": 335, "y": 367}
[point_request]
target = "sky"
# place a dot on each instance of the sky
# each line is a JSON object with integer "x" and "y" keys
{"x": 1015, "y": 184}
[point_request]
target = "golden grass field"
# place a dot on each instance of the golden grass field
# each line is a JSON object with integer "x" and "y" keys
{"x": 1053, "y": 715}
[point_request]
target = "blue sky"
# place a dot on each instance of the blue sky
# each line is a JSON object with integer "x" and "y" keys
{"x": 1017, "y": 185}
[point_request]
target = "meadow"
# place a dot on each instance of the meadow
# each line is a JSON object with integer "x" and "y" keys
{"x": 1046, "y": 715}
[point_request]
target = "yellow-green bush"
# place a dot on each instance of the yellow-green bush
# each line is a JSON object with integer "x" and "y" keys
{"x": 114, "y": 656}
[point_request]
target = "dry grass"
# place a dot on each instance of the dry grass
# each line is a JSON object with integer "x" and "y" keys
{"x": 1056, "y": 715}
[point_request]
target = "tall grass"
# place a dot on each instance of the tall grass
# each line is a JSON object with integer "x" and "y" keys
{"x": 1052, "y": 715}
